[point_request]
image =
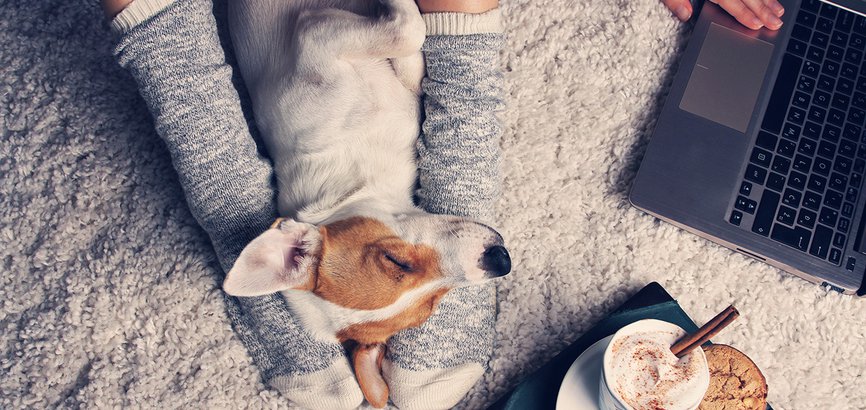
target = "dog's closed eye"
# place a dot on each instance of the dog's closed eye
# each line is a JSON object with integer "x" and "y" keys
{"x": 404, "y": 266}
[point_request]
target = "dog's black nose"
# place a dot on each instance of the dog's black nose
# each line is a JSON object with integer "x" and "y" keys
{"x": 496, "y": 261}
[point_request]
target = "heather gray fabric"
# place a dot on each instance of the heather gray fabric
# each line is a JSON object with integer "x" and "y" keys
{"x": 458, "y": 171}
{"x": 182, "y": 74}
{"x": 181, "y": 70}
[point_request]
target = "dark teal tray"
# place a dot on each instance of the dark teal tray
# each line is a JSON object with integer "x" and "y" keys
{"x": 539, "y": 390}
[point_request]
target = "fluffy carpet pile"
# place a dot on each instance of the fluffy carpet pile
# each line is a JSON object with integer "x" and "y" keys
{"x": 110, "y": 292}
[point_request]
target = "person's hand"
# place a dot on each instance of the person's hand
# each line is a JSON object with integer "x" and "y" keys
{"x": 753, "y": 14}
{"x": 113, "y": 7}
{"x": 457, "y": 6}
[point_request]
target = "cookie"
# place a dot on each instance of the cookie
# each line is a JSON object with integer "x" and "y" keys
{"x": 736, "y": 383}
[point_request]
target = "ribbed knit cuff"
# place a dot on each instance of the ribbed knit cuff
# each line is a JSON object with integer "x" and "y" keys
{"x": 136, "y": 13}
{"x": 459, "y": 24}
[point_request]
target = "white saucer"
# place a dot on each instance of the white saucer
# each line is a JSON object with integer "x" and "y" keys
{"x": 579, "y": 389}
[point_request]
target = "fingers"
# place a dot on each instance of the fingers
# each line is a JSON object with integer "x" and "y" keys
{"x": 754, "y": 14}
{"x": 681, "y": 8}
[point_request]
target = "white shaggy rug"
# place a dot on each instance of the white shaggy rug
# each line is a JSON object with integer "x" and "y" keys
{"x": 110, "y": 295}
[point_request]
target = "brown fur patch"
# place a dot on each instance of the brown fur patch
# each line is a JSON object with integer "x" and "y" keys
{"x": 379, "y": 332}
{"x": 360, "y": 265}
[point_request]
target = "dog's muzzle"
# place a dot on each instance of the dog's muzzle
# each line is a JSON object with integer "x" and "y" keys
{"x": 496, "y": 262}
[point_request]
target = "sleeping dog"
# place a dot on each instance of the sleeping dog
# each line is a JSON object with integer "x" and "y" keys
{"x": 335, "y": 87}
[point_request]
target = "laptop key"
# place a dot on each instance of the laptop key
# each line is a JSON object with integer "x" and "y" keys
{"x": 842, "y": 165}
{"x": 811, "y": 5}
{"x": 806, "y": 19}
{"x": 851, "y": 132}
{"x": 822, "y": 166}
{"x": 848, "y": 209}
{"x": 859, "y": 163}
{"x": 736, "y": 218}
{"x": 859, "y": 100}
{"x": 817, "y": 114}
{"x": 801, "y": 32}
{"x": 802, "y": 163}
{"x": 815, "y": 54}
{"x": 817, "y": 183}
{"x": 839, "y": 38}
{"x": 856, "y": 180}
{"x": 821, "y": 242}
{"x": 812, "y": 68}
{"x": 745, "y": 204}
{"x": 835, "y": 256}
{"x": 811, "y": 130}
{"x": 766, "y": 140}
{"x": 847, "y": 148}
{"x": 781, "y": 165}
{"x": 845, "y": 21}
{"x": 797, "y": 47}
{"x": 851, "y": 194}
{"x": 850, "y": 263}
{"x": 776, "y": 182}
{"x": 849, "y": 71}
{"x": 820, "y": 39}
{"x": 801, "y": 100}
{"x": 836, "y": 54}
{"x": 844, "y": 224}
{"x": 791, "y": 197}
{"x": 746, "y": 188}
{"x": 861, "y": 84}
{"x": 838, "y": 181}
{"x": 756, "y": 174}
{"x": 806, "y": 146}
{"x": 833, "y": 199}
{"x": 826, "y": 83}
{"x": 839, "y": 240}
{"x": 832, "y": 133}
{"x": 797, "y": 238}
{"x": 806, "y": 218}
{"x": 766, "y": 212}
{"x": 782, "y": 92}
{"x": 796, "y": 180}
{"x": 845, "y": 86}
{"x": 791, "y": 131}
{"x": 836, "y": 117}
{"x": 786, "y": 148}
{"x": 796, "y": 115}
{"x": 828, "y": 11}
{"x": 827, "y": 149}
{"x": 831, "y": 67}
{"x": 824, "y": 25}
{"x": 761, "y": 157}
{"x": 856, "y": 116}
{"x": 841, "y": 101}
{"x": 853, "y": 55}
{"x": 786, "y": 215}
{"x": 828, "y": 216}
{"x": 857, "y": 41}
{"x": 811, "y": 200}
{"x": 821, "y": 99}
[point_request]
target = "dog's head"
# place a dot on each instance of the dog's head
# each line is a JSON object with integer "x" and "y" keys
{"x": 366, "y": 264}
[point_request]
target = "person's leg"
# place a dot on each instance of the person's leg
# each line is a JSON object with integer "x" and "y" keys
{"x": 173, "y": 51}
{"x": 434, "y": 366}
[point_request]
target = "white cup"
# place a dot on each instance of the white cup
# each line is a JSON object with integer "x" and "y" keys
{"x": 610, "y": 399}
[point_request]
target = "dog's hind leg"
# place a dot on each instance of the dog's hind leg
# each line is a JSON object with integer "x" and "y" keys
{"x": 367, "y": 360}
{"x": 398, "y": 31}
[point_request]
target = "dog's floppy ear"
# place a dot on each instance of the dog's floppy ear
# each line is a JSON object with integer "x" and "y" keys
{"x": 282, "y": 258}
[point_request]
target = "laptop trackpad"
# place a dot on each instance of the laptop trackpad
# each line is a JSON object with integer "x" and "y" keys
{"x": 727, "y": 77}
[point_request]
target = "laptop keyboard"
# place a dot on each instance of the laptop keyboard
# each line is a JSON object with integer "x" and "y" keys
{"x": 806, "y": 168}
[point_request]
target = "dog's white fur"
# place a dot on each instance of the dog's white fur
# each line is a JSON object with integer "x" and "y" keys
{"x": 335, "y": 87}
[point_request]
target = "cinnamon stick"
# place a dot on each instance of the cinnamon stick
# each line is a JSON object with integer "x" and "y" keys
{"x": 708, "y": 330}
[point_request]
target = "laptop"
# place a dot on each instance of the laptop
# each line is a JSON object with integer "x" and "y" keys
{"x": 761, "y": 143}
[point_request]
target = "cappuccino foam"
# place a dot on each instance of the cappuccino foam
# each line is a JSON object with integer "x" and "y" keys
{"x": 647, "y": 375}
